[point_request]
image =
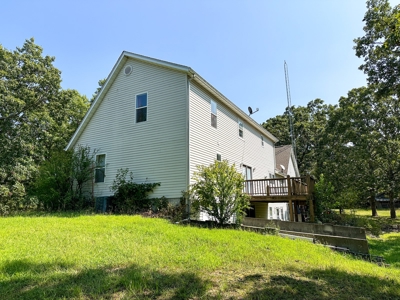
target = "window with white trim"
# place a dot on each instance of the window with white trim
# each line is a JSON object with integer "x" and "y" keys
{"x": 100, "y": 169}
{"x": 240, "y": 123}
{"x": 213, "y": 114}
{"x": 141, "y": 107}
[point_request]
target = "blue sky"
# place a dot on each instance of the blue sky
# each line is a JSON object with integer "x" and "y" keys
{"x": 237, "y": 46}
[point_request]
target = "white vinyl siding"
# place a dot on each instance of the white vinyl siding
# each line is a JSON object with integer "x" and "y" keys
{"x": 291, "y": 170}
{"x": 205, "y": 141}
{"x": 154, "y": 150}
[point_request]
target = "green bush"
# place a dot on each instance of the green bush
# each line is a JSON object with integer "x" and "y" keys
{"x": 218, "y": 191}
{"x": 61, "y": 180}
{"x": 131, "y": 197}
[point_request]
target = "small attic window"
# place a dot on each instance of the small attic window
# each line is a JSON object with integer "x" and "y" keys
{"x": 128, "y": 70}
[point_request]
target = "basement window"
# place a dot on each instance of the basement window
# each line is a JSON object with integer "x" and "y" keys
{"x": 141, "y": 108}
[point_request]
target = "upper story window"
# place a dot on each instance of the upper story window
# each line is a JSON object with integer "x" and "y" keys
{"x": 141, "y": 107}
{"x": 262, "y": 141}
{"x": 240, "y": 128}
{"x": 213, "y": 114}
{"x": 100, "y": 169}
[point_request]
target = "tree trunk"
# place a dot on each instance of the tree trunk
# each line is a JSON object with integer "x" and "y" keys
{"x": 392, "y": 208}
{"x": 372, "y": 202}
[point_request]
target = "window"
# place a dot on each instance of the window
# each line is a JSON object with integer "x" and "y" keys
{"x": 240, "y": 128}
{"x": 141, "y": 108}
{"x": 218, "y": 157}
{"x": 270, "y": 213}
{"x": 213, "y": 114}
{"x": 100, "y": 169}
{"x": 262, "y": 141}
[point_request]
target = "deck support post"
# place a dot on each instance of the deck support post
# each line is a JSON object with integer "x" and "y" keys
{"x": 310, "y": 198}
{"x": 291, "y": 217}
{"x": 289, "y": 190}
{"x": 296, "y": 215}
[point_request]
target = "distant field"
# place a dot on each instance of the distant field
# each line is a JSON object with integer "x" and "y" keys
{"x": 130, "y": 257}
{"x": 367, "y": 212}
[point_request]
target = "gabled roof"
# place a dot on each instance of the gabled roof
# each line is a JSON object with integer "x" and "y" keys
{"x": 189, "y": 71}
{"x": 282, "y": 158}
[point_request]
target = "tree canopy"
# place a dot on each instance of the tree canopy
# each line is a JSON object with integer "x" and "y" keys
{"x": 380, "y": 46}
{"x": 308, "y": 126}
{"x": 36, "y": 115}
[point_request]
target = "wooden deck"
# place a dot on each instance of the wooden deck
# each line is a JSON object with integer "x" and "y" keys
{"x": 294, "y": 190}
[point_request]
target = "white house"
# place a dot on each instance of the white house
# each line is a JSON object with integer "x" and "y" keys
{"x": 161, "y": 120}
{"x": 285, "y": 164}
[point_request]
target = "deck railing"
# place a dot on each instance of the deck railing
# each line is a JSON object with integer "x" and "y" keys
{"x": 299, "y": 186}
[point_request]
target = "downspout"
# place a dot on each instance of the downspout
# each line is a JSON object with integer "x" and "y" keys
{"x": 191, "y": 77}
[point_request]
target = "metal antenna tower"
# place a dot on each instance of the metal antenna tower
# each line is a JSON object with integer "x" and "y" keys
{"x": 290, "y": 113}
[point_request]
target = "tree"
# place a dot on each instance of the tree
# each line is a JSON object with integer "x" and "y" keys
{"x": 101, "y": 83}
{"x": 380, "y": 46}
{"x": 362, "y": 146}
{"x": 36, "y": 116}
{"x": 218, "y": 191}
{"x": 61, "y": 180}
{"x": 309, "y": 123}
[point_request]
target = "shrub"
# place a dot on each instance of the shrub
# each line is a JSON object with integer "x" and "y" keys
{"x": 218, "y": 191}
{"x": 61, "y": 180}
{"x": 131, "y": 197}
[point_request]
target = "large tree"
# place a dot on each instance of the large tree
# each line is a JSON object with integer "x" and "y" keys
{"x": 308, "y": 126}
{"x": 380, "y": 46}
{"x": 362, "y": 146}
{"x": 36, "y": 116}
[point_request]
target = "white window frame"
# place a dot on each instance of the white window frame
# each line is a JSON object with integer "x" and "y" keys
{"x": 241, "y": 128}
{"x": 100, "y": 167}
{"x": 215, "y": 114}
{"x": 147, "y": 106}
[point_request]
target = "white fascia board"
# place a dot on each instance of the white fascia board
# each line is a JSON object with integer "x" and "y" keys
{"x": 232, "y": 106}
{"x": 158, "y": 62}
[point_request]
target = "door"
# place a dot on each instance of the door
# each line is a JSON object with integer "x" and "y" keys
{"x": 247, "y": 173}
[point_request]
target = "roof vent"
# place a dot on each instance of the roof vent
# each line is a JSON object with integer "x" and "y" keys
{"x": 128, "y": 70}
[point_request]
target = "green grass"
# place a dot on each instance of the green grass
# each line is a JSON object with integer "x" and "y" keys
{"x": 130, "y": 257}
{"x": 367, "y": 212}
{"x": 387, "y": 246}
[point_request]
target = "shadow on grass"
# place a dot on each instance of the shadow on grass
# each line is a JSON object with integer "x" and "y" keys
{"x": 23, "y": 280}
{"x": 389, "y": 249}
{"x": 326, "y": 284}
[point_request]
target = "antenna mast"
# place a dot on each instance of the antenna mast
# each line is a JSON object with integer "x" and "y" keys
{"x": 290, "y": 113}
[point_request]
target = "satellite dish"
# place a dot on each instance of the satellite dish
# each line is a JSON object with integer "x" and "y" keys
{"x": 251, "y": 111}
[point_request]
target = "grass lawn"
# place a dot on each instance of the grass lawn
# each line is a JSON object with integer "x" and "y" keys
{"x": 367, "y": 212}
{"x": 130, "y": 257}
{"x": 388, "y": 246}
